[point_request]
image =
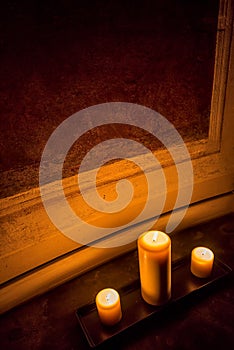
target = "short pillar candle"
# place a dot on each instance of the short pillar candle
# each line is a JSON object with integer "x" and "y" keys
{"x": 154, "y": 250}
{"x": 202, "y": 260}
{"x": 108, "y": 306}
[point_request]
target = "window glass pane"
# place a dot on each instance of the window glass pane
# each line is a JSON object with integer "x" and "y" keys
{"x": 59, "y": 57}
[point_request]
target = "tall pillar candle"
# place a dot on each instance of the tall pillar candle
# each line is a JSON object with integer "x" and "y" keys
{"x": 154, "y": 250}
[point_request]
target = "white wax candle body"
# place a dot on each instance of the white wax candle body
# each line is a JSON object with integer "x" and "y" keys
{"x": 154, "y": 250}
{"x": 202, "y": 260}
{"x": 108, "y": 306}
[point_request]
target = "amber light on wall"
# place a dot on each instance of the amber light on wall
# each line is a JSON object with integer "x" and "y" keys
{"x": 38, "y": 94}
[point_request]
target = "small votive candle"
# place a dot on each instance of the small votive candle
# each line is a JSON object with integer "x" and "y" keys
{"x": 108, "y": 306}
{"x": 154, "y": 250}
{"x": 202, "y": 260}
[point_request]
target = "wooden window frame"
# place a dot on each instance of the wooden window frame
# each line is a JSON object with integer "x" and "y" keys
{"x": 53, "y": 258}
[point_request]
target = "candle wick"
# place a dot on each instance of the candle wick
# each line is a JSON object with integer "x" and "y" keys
{"x": 155, "y": 236}
{"x": 108, "y": 297}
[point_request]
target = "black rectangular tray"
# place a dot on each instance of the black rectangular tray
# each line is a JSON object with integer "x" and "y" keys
{"x": 135, "y": 309}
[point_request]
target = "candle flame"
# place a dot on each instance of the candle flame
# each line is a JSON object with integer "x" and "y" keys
{"x": 108, "y": 297}
{"x": 203, "y": 252}
{"x": 155, "y": 236}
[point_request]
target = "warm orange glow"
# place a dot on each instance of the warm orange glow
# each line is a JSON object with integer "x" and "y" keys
{"x": 154, "y": 249}
{"x": 202, "y": 262}
{"x": 108, "y": 306}
{"x": 107, "y": 191}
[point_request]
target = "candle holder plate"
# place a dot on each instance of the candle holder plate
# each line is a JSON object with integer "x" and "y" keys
{"x": 136, "y": 310}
